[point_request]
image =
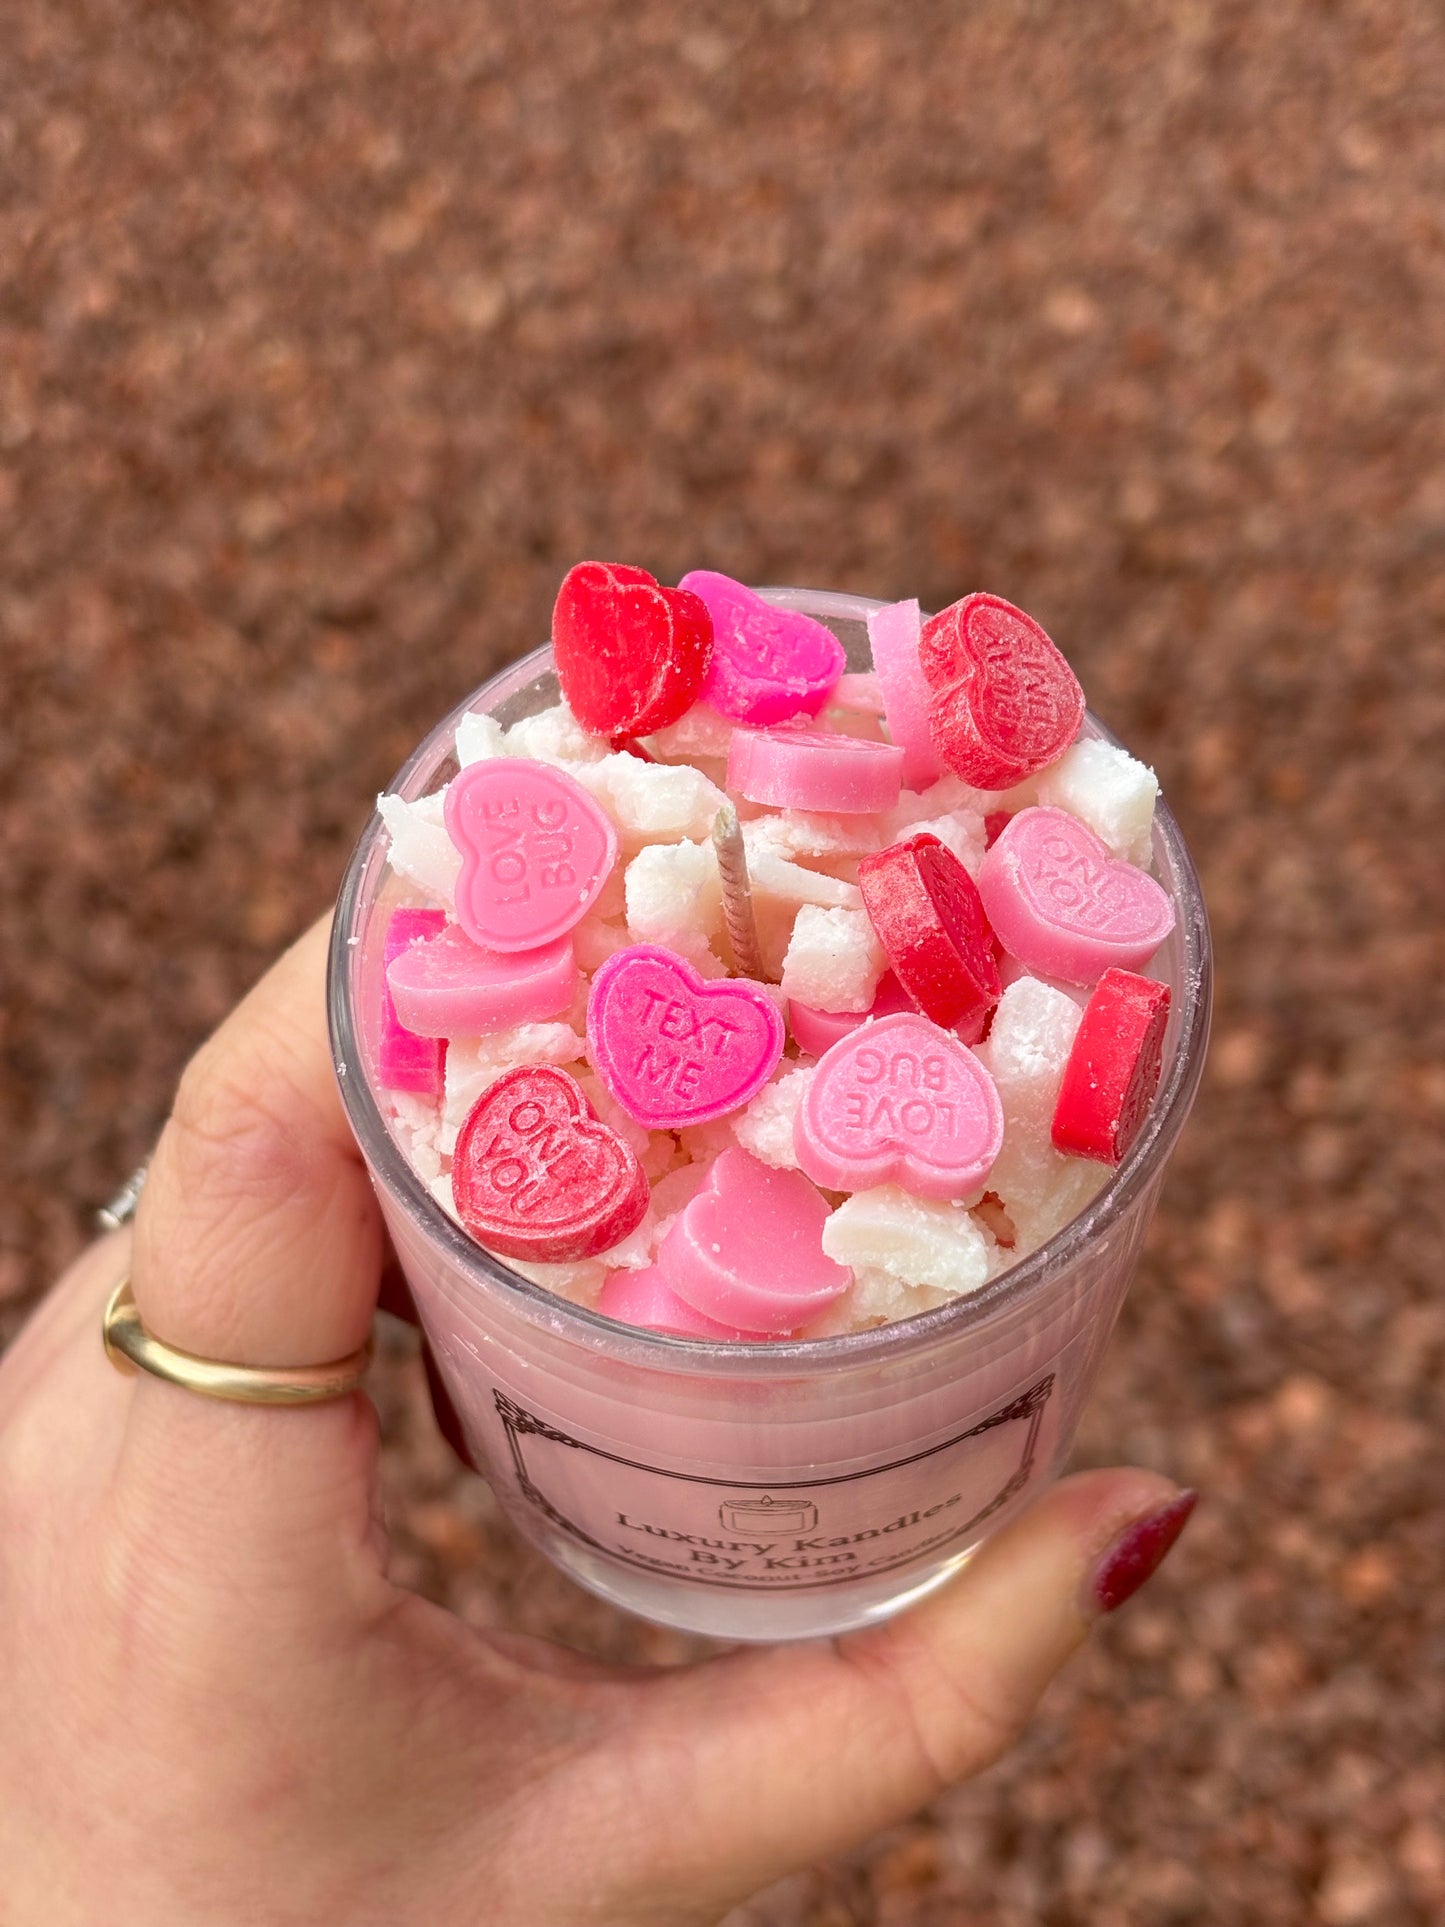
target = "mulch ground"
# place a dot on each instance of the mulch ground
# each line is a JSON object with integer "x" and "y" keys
{"x": 330, "y": 335}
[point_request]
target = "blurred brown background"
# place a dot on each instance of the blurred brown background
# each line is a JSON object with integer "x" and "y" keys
{"x": 331, "y": 335}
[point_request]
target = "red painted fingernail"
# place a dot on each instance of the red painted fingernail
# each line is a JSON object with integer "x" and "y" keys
{"x": 1139, "y": 1551}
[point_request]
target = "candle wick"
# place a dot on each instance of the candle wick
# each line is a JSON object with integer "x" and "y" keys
{"x": 737, "y": 895}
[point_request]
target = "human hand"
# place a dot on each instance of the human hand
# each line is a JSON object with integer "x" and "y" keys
{"x": 219, "y": 1710}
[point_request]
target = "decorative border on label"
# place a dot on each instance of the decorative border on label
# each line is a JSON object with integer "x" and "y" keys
{"x": 519, "y": 1424}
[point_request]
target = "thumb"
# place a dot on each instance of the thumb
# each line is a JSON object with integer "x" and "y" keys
{"x": 799, "y": 1752}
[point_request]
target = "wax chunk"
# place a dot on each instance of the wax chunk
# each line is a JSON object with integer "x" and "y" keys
{"x": 766, "y": 1126}
{"x": 631, "y": 656}
{"x": 1109, "y": 791}
{"x": 917, "y": 1242}
{"x": 420, "y": 848}
{"x": 536, "y": 1175}
{"x": 1113, "y": 1068}
{"x": 931, "y": 922}
{"x": 1005, "y": 703}
{"x": 804, "y": 769}
{"x": 673, "y": 1049}
{"x": 1025, "y": 1052}
{"x": 767, "y": 664}
{"x": 747, "y": 1251}
{"x": 900, "y": 1100}
{"x": 405, "y": 1060}
{"x": 894, "y": 634}
{"x": 1062, "y": 905}
{"x": 834, "y": 959}
{"x": 449, "y": 986}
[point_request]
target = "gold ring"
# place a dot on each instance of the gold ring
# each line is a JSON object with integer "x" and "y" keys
{"x": 130, "y": 1347}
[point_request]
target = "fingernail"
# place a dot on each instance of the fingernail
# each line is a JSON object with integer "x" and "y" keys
{"x": 1138, "y": 1553}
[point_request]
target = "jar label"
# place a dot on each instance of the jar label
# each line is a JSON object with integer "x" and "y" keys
{"x": 793, "y": 1535}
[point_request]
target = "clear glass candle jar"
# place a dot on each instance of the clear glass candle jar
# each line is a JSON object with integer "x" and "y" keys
{"x": 773, "y": 1490}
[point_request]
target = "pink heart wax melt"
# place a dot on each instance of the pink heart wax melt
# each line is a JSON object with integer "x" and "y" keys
{"x": 646, "y": 1298}
{"x": 805, "y": 769}
{"x": 674, "y": 1049}
{"x": 451, "y": 987}
{"x": 767, "y": 664}
{"x": 1063, "y": 905}
{"x": 900, "y": 1100}
{"x": 536, "y": 851}
{"x": 747, "y": 1252}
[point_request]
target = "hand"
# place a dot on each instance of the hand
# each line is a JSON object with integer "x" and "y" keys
{"x": 217, "y": 1707}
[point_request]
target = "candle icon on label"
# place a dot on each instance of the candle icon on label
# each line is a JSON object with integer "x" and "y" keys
{"x": 767, "y": 1514}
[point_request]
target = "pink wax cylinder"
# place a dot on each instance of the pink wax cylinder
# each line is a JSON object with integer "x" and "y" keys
{"x": 451, "y": 987}
{"x": 805, "y": 769}
{"x": 894, "y": 633}
{"x": 818, "y": 1030}
{"x": 772, "y": 1489}
{"x": 406, "y": 1060}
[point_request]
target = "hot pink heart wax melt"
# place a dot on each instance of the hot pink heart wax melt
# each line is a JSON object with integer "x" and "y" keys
{"x": 535, "y": 848}
{"x": 900, "y": 1100}
{"x": 1060, "y": 903}
{"x": 748, "y": 1250}
{"x": 767, "y": 664}
{"x": 674, "y": 1049}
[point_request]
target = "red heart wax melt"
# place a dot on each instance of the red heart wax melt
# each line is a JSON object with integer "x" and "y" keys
{"x": 1005, "y": 703}
{"x": 930, "y": 920}
{"x": 536, "y": 1174}
{"x": 631, "y": 656}
{"x": 1113, "y": 1069}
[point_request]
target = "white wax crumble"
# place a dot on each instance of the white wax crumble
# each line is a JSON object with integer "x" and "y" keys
{"x": 1025, "y": 1052}
{"x": 792, "y": 833}
{"x": 555, "y": 736}
{"x": 441, "y": 1189}
{"x": 704, "y": 1142}
{"x": 1108, "y": 790}
{"x": 834, "y": 959}
{"x": 581, "y": 1282}
{"x": 596, "y": 939}
{"x": 919, "y": 1243}
{"x": 634, "y": 1252}
{"x": 765, "y": 1126}
{"x": 475, "y": 1062}
{"x": 960, "y": 831}
{"x": 610, "y": 1112}
{"x": 418, "y": 1124}
{"x": 701, "y": 732}
{"x": 674, "y": 899}
{"x": 478, "y": 739}
{"x": 916, "y": 808}
{"x": 421, "y": 850}
{"x": 677, "y": 1188}
{"x": 652, "y": 802}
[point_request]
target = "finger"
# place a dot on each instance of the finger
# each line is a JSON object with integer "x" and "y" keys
{"x": 257, "y": 1238}
{"x": 795, "y": 1753}
{"x": 258, "y": 1242}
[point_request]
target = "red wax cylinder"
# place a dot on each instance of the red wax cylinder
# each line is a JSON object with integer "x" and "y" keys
{"x": 1113, "y": 1068}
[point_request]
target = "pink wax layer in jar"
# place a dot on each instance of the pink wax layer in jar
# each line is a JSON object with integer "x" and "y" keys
{"x": 793, "y": 1483}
